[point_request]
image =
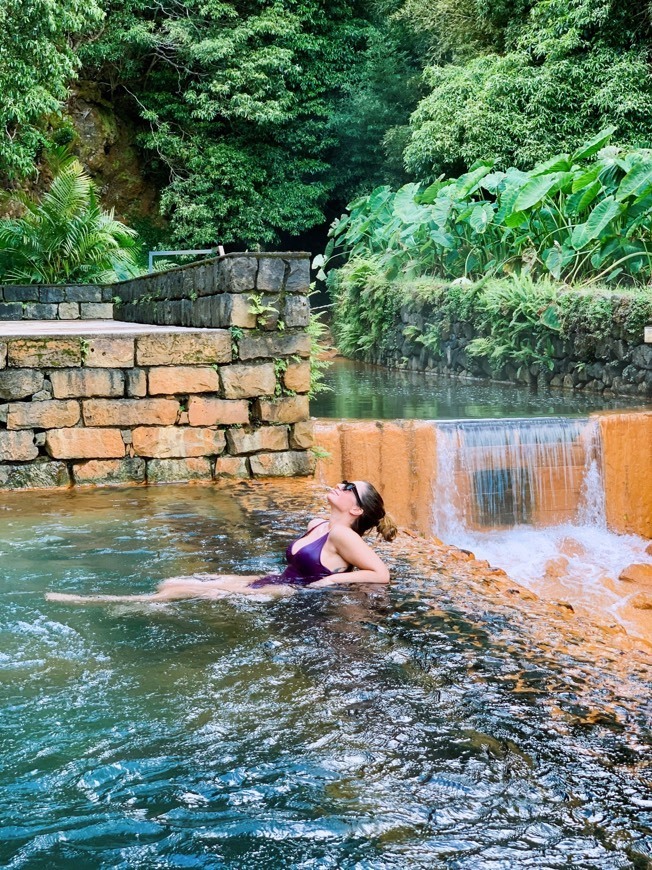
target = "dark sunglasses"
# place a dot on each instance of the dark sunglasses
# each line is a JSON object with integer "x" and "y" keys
{"x": 351, "y": 487}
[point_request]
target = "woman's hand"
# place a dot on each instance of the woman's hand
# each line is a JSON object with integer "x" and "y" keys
{"x": 321, "y": 584}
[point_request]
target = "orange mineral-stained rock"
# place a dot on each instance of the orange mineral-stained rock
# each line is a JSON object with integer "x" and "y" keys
{"x": 129, "y": 412}
{"x": 169, "y": 442}
{"x": 637, "y": 573}
{"x": 168, "y": 380}
{"x": 297, "y": 377}
{"x": 80, "y": 443}
{"x": 216, "y": 412}
{"x": 184, "y": 348}
{"x": 627, "y": 470}
{"x": 42, "y": 415}
{"x": 109, "y": 352}
{"x": 290, "y": 409}
{"x": 246, "y": 381}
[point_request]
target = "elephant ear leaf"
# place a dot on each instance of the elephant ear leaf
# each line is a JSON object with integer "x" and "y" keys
{"x": 593, "y": 145}
{"x": 601, "y": 216}
{"x": 550, "y": 318}
{"x": 637, "y": 180}
{"x": 534, "y": 191}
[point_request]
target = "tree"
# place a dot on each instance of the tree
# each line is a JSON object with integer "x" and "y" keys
{"x": 519, "y": 81}
{"x": 37, "y": 61}
{"x": 66, "y": 237}
{"x": 236, "y": 99}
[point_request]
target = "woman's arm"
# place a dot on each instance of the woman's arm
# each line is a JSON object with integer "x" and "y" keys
{"x": 353, "y": 550}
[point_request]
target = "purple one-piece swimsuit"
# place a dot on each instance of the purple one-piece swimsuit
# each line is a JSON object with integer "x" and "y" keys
{"x": 304, "y": 566}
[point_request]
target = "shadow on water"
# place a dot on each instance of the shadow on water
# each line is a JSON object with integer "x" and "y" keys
{"x": 415, "y": 726}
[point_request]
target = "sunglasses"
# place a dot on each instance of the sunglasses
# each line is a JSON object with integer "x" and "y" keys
{"x": 351, "y": 487}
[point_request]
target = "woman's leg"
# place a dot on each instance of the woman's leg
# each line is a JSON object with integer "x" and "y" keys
{"x": 180, "y": 588}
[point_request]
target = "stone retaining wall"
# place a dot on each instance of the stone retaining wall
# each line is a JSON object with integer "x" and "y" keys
{"x": 152, "y": 406}
{"x": 38, "y": 302}
{"x": 219, "y": 293}
{"x": 161, "y": 403}
{"x": 619, "y": 365}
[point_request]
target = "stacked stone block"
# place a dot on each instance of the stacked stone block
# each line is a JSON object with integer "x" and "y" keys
{"x": 162, "y": 405}
{"x": 39, "y": 302}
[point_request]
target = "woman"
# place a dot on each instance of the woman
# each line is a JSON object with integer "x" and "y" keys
{"x": 324, "y": 556}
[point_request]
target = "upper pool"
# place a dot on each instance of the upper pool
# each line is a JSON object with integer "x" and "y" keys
{"x": 361, "y": 391}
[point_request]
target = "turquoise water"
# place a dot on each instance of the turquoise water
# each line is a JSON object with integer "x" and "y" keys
{"x": 360, "y": 391}
{"x": 410, "y": 727}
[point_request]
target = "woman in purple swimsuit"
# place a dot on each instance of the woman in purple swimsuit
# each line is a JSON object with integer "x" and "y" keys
{"x": 331, "y": 552}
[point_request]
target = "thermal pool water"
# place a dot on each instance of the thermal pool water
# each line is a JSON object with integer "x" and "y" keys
{"x": 430, "y": 724}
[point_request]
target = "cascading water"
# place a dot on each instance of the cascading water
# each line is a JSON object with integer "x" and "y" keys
{"x": 497, "y": 473}
{"x": 528, "y": 496}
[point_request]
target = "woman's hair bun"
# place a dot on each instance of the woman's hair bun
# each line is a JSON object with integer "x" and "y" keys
{"x": 387, "y": 528}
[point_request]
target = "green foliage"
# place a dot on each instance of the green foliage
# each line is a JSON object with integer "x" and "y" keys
{"x": 261, "y": 310}
{"x": 519, "y": 80}
{"x": 317, "y": 331}
{"x": 576, "y": 217}
{"x": 236, "y": 100}
{"x": 37, "y": 60}
{"x": 66, "y": 237}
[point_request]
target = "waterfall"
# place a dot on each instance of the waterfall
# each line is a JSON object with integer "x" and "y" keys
{"x": 505, "y": 473}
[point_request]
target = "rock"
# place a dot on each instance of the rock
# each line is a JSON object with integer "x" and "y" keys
{"x": 21, "y": 293}
{"x": 265, "y": 438}
{"x": 298, "y": 279}
{"x": 215, "y": 412}
{"x": 136, "y": 383}
{"x": 271, "y": 271}
{"x": 40, "y": 311}
{"x": 43, "y": 415}
{"x": 184, "y": 348}
{"x": 97, "y": 310}
{"x": 168, "y": 380}
{"x": 109, "y": 352}
{"x": 178, "y": 470}
{"x": 570, "y": 547}
{"x": 17, "y": 446}
{"x": 290, "y": 409}
{"x": 238, "y": 274}
{"x": 293, "y": 463}
{"x": 35, "y": 475}
{"x": 71, "y": 383}
{"x": 642, "y": 356}
{"x": 231, "y": 466}
{"x": 11, "y": 311}
{"x": 81, "y": 443}
{"x": 46, "y": 352}
{"x": 83, "y": 293}
{"x": 641, "y": 601}
{"x": 130, "y": 412}
{"x": 297, "y": 377}
{"x": 51, "y": 294}
{"x": 648, "y": 549}
{"x": 68, "y": 311}
{"x": 276, "y": 345}
{"x": 296, "y": 311}
{"x": 302, "y": 436}
{"x": 3, "y": 354}
{"x": 110, "y": 471}
{"x": 20, "y": 383}
{"x": 245, "y": 381}
{"x": 234, "y": 310}
{"x": 637, "y": 573}
{"x": 176, "y": 441}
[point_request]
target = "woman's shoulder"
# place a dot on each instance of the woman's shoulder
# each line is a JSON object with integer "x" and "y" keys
{"x": 314, "y": 522}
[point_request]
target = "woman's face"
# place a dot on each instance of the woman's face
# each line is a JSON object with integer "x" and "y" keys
{"x": 343, "y": 495}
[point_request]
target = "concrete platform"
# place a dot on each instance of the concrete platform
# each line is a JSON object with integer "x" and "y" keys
{"x": 41, "y": 328}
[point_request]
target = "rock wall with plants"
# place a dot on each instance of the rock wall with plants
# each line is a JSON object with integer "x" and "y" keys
{"x": 513, "y": 329}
